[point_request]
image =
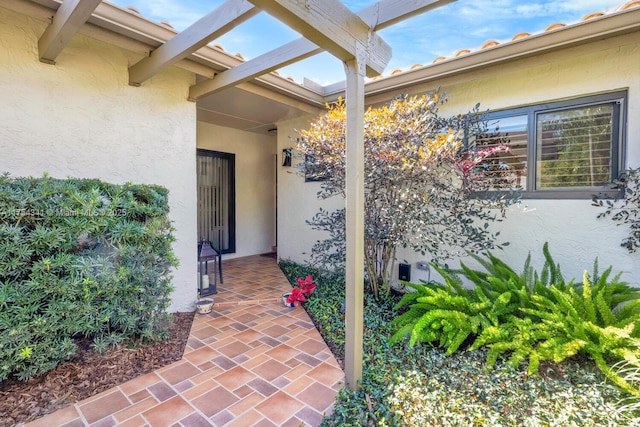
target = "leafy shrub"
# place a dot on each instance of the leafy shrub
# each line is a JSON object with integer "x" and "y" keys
{"x": 627, "y": 210}
{"x": 459, "y": 391}
{"x": 425, "y": 386}
{"x": 79, "y": 258}
{"x": 418, "y": 183}
{"x": 450, "y": 313}
{"x": 529, "y": 316}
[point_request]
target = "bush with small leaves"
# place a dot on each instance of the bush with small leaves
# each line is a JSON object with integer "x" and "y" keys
{"x": 424, "y": 189}
{"x": 79, "y": 258}
{"x": 626, "y": 210}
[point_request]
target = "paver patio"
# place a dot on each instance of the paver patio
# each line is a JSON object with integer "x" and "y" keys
{"x": 251, "y": 362}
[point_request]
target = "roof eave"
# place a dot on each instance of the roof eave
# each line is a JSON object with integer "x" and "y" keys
{"x": 610, "y": 25}
{"x": 126, "y": 29}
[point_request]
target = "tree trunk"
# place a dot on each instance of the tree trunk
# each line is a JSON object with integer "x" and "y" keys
{"x": 379, "y": 258}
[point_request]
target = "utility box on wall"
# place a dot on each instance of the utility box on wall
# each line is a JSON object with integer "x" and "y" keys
{"x": 404, "y": 272}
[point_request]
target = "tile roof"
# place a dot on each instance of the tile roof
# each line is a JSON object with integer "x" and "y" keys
{"x": 520, "y": 36}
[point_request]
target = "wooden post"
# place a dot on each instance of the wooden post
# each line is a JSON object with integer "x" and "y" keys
{"x": 355, "y": 71}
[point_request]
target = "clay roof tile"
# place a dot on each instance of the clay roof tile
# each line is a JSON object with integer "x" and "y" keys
{"x": 490, "y": 43}
{"x": 629, "y": 5}
{"x": 592, "y": 15}
{"x": 555, "y": 26}
{"x": 520, "y": 36}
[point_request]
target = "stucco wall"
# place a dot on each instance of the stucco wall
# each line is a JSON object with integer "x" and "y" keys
{"x": 575, "y": 236}
{"x": 297, "y": 200}
{"x": 80, "y": 118}
{"x": 255, "y": 156}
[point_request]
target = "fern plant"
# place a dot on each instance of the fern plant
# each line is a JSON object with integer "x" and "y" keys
{"x": 586, "y": 320}
{"x": 527, "y": 316}
{"x": 448, "y": 313}
{"x": 498, "y": 291}
{"x": 570, "y": 322}
{"x": 439, "y": 316}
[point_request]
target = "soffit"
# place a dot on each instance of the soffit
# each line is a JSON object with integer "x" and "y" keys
{"x": 244, "y": 110}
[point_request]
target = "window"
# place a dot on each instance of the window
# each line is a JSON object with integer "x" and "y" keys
{"x": 565, "y": 149}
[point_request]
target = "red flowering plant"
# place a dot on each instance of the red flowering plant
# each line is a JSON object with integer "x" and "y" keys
{"x": 301, "y": 291}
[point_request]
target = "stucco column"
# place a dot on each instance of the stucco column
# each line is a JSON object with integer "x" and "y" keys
{"x": 355, "y": 71}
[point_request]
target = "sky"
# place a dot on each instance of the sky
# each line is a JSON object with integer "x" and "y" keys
{"x": 463, "y": 24}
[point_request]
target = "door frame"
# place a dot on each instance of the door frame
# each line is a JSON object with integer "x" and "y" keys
{"x": 232, "y": 196}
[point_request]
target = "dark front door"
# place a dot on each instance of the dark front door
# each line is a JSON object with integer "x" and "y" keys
{"x": 216, "y": 199}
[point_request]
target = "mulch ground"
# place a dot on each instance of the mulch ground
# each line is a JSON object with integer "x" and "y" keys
{"x": 88, "y": 373}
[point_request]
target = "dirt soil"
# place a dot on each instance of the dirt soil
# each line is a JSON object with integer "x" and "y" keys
{"x": 88, "y": 373}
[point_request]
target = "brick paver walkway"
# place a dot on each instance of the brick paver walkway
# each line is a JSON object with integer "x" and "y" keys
{"x": 251, "y": 362}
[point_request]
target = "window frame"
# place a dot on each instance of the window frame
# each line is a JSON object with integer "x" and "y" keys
{"x": 618, "y": 130}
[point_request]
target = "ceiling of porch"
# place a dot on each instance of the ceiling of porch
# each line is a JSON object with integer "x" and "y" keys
{"x": 244, "y": 110}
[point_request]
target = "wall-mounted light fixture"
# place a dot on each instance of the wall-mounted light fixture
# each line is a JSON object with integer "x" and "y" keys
{"x": 286, "y": 157}
{"x": 272, "y": 130}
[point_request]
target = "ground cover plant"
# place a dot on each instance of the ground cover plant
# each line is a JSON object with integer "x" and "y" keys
{"x": 629, "y": 407}
{"x": 79, "y": 258}
{"x": 424, "y": 385}
{"x": 419, "y": 182}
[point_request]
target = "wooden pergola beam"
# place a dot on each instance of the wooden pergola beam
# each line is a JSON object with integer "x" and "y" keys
{"x": 69, "y": 17}
{"x": 333, "y": 27}
{"x": 209, "y": 27}
{"x": 277, "y": 58}
{"x": 378, "y": 16}
{"x": 385, "y": 13}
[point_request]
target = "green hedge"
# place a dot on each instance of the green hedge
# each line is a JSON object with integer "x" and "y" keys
{"x": 79, "y": 258}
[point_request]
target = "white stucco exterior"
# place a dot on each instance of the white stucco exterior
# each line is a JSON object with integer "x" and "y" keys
{"x": 297, "y": 200}
{"x": 574, "y": 234}
{"x": 80, "y": 118}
